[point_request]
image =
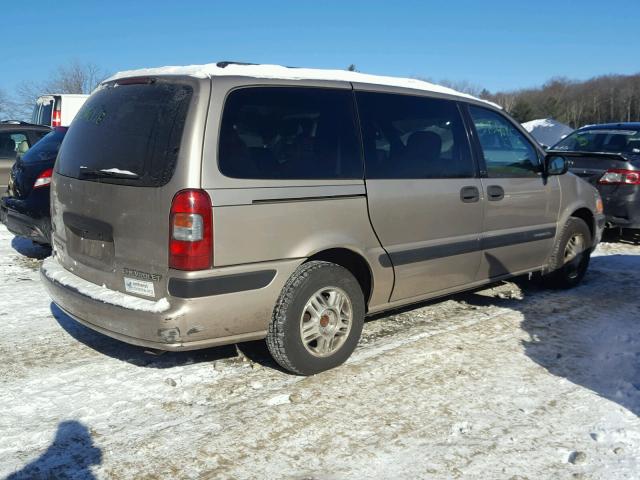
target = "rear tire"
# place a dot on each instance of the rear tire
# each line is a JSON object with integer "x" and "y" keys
{"x": 317, "y": 320}
{"x": 570, "y": 257}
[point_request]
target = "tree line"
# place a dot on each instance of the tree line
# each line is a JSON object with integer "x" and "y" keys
{"x": 603, "y": 99}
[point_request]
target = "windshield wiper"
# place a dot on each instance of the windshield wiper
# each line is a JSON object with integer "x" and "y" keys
{"x": 108, "y": 173}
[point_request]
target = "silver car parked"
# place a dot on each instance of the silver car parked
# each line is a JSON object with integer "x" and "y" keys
{"x": 201, "y": 206}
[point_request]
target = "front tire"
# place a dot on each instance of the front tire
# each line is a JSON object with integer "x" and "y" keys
{"x": 318, "y": 319}
{"x": 570, "y": 257}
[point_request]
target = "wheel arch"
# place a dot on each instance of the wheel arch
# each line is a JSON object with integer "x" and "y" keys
{"x": 354, "y": 262}
{"x": 588, "y": 217}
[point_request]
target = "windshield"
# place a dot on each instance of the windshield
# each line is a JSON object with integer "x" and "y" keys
{"x": 127, "y": 128}
{"x": 47, "y": 148}
{"x": 601, "y": 141}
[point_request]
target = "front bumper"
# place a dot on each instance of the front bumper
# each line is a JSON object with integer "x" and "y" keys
{"x": 600, "y": 225}
{"x": 22, "y": 224}
{"x": 171, "y": 323}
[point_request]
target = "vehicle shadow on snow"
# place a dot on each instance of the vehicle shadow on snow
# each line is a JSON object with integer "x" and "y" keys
{"x": 589, "y": 335}
{"x": 30, "y": 249}
{"x": 254, "y": 351}
{"x": 70, "y": 455}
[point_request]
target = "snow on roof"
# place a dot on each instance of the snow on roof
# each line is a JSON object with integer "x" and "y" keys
{"x": 287, "y": 73}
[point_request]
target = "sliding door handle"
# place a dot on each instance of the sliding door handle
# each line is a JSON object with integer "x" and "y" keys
{"x": 495, "y": 193}
{"x": 469, "y": 194}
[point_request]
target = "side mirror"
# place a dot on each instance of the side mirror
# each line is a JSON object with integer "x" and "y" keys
{"x": 556, "y": 165}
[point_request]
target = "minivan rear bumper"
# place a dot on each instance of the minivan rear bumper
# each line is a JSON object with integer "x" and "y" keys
{"x": 172, "y": 323}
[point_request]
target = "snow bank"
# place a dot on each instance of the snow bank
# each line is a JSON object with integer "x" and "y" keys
{"x": 288, "y": 73}
{"x": 547, "y": 131}
{"x": 57, "y": 273}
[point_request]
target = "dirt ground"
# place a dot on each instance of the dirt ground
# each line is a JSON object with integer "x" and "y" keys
{"x": 509, "y": 382}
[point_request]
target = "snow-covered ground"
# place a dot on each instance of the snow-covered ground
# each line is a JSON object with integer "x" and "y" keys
{"x": 509, "y": 382}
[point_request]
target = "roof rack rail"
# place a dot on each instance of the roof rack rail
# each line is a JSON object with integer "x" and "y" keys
{"x": 225, "y": 64}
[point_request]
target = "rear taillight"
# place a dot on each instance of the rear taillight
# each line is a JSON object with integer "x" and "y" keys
{"x": 44, "y": 179}
{"x": 618, "y": 176}
{"x": 56, "y": 120}
{"x": 191, "y": 231}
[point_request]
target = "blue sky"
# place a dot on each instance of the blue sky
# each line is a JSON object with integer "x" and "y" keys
{"x": 495, "y": 44}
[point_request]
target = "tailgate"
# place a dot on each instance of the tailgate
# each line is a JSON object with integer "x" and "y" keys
{"x": 591, "y": 167}
{"x": 110, "y": 234}
{"x": 115, "y": 178}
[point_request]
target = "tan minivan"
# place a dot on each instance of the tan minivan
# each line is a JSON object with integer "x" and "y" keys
{"x": 201, "y": 206}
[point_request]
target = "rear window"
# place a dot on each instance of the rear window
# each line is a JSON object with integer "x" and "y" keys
{"x": 289, "y": 133}
{"x": 127, "y": 134}
{"x": 12, "y": 143}
{"x": 602, "y": 140}
{"x": 42, "y": 111}
{"x": 47, "y": 148}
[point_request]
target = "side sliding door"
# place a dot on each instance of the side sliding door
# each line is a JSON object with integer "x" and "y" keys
{"x": 423, "y": 190}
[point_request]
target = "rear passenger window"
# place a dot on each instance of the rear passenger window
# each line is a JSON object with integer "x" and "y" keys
{"x": 507, "y": 153}
{"x": 413, "y": 137}
{"x": 12, "y": 143}
{"x": 289, "y": 133}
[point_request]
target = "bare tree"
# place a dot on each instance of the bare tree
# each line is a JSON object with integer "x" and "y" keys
{"x": 463, "y": 86}
{"x": 25, "y": 97}
{"x": 4, "y": 105}
{"x": 73, "y": 77}
{"x": 505, "y": 100}
{"x": 76, "y": 77}
{"x": 8, "y": 108}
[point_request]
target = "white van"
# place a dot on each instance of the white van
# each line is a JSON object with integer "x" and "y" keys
{"x": 57, "y": 110}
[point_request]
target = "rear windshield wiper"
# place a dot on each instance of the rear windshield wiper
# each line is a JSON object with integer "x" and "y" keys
{"x": 108, "y": 173}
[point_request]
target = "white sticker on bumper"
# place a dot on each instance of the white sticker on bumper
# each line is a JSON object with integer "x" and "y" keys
{"x": 139, "y": 287}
